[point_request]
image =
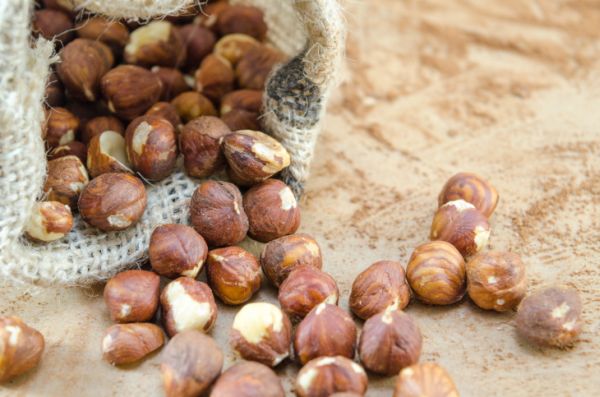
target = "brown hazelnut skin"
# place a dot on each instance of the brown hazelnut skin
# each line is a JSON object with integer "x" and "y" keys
{"x": 305, "y": 288}
{"x": 210, "y": 13}
{"x": 217, "y": 213}
{"x": 214, "y": 78}
{"x": 233, "y": 274}
{"x": 256, "y": 65}
{"x": 327, "y": 330}
{"x": 55, "y": 92}
{"x": 74, "y": 148}
{"x": 130, "y": 90}
{"x": 107, "y": 153}
{"x": 61, "y": 127}
{"x": 460, "y": 224}
{"x": 323, "y": 376}
{"x": 234, "y": 46}
{"x": 53, "y": 25}
{"x": 177, "y": 250}
{"x": 436, "y": 273}
{"x": 473, "y": 189}
{"x": 550, "y": 317}
{"x": 132, "y": 296}
{"x": 390, "y": 341}
{"x": 248, "y": 379}
{"x": 242, "y": 19}
{"x": 199, "y": 42}
{"x": 427, "y": 379}
{"x": 166, "y": 111}
{"x": 200, "y": 144}
{"x": 112, "y": 33}
{"x": 190, "y": 363}
{"x": 381, "y": 285}
{"x": 191, "y": 105}
{"x": 173, "y": 82}
{"x": 66, "y": 179}
{"x": 249, "y": 100}
{"x": 156, "y": 43}
{"x": 496, "y": 280}
{"x": 98, "y": 125}
{"x": 238, "y": 119}
{"x": 21, "y": 348}
{"x": 113, "y": 201}
{"x": 128, "y": 343}
{"x": 49, "y": 221}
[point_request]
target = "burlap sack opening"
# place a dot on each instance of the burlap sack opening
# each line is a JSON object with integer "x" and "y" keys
{"x": 311, "y": 31}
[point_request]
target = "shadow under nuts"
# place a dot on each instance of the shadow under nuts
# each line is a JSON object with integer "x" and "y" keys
{"x": 471, "y": 188}
{"x": 324, "y": 376}
{"x": 248, "y": 379}
{"x": 233, "y": 274}
{"x": 132, "y": 296}
{"x": 177, "y": 250}
{"x": 427, "y": 379}
{"x": 200, "y": 143}
{"x": 21, "y": 348}
{"x": 128, "y": 343}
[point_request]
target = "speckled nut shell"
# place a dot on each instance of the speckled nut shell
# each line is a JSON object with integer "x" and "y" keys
{"x": 473, "y": 189}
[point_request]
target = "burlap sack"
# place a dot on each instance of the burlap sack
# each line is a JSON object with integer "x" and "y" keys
{"x": 309, "y": 30}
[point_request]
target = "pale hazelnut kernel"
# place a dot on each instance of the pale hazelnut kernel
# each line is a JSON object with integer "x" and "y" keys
{"x": 49, "y": 221}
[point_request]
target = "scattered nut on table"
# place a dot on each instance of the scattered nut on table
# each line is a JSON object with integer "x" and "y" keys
{"x": 233, "y": 274}
{"x": 248, "y": 379}
{"x": 21, "y": 348}
{"x": 424, "y": 380}
{"x": 132, "y": 296}
{"x": 127, "y": 343}
{"x": 323, "y": 376}
{"x": 177, "y": 250}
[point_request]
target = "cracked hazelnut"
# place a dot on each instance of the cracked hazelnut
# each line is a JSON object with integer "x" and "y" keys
{"x": 177, "y": 250}
{"x": 217, "y": 213}
{"x": 436, "y": 273}
{"x": 281, "y": 256}
{"x": 234, "y": 274}
{"x": 390, "y": 341}
{"x": 54, "y": 95}
{"x": 496, "y": 280}
{"x": 327, "y": 330}
{"x": 112, "y": 33}
{"x": 199, "y": 42}
{"x": 61, "y": 127}
{"x": 380, "y": 286}
{"x": 214, "y": 78}
{"x": 157, "y": 43}
{"x": 21, "y": 348}
{"x": 256, "y": 65}
{"x": 166, "y": 111}
{"x": 74, "y": 148}
{"x": 113, "y": 201}
{"x": 187, "y": 304}
{"x": 550, "y": 317}
{"x": 242, "y": 19}
{"x": 238, "y": 119}
{"x": 190, "y": 363}
{"x": 200, "y": 144}
{"x": 106, "y": 153}
{"x": 323, "y": 376}
{"x": 249, "y": 100}
{"x": 128, "y": 343}
{"x": 261, "y": 332}
{"x": 248, "y": 379}
{"x": 49, "y": 221}
{"x": 424, "y": 380}
{"x": 65, "y": 180}
{"x": 191, "y": 105}
{"x": 460, "y": 224}
{"x": 53, "y": 25}
{"x": 173, "y": 82}
{"x": 471, "y": 188}
{"x": 99, "y": 124}
{"x": 234, "y": 46}
{"x": 132, "y": 296}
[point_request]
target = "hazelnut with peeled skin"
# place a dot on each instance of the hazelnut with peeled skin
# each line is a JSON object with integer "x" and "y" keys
{"x": 256, "y": 65}
{"x": 107, "y": 153}
{"x": 234, "y": 46}
{"x": 327, "y": 330}
{"x": 61, "y": 127}
{"x": 187, "y": 304}
{"x": 234, "y": 274}
{"x": 214, "y": 78}
{"x": 242, "y": 19}
{"x": 65, "y": 180}
{"x": 424, "y": 380}
{"x": 112, "y": 33}
{"x": 261, "y": 332}
{"x": 436, "y": 273}
{"x": 157, "y": 43}
{"x": 21, "y": 348}
{"x": 248, "y": 379}
{"x": 199, "y": 42}
{"x": 191, "y": 105}
{"x": 74, "y": 148}
{"x": 113, "y": 201}
{"x": 53, "y": 25}
{"x": 550, "y": 317}
{"x": 380, "y": 286}
{"x": 49, "y": 221}
{"x": 460, "y": 224}
{"x": 132, "y": 296}
{"x": 200, "y": 144}
{"x": 99, "y": 124}
{"x": 323, "y": 376}
{"x": 238, "y": 119}
{"x": 173, "y": 82}
{"x": 177, "y": 250}
{"x": 496, "y": 280}
{"x": 128, "y": 343}
{"x": 166, "y": 111}
{"x": 249, "y": 100}
{"x": 471, "y": 188}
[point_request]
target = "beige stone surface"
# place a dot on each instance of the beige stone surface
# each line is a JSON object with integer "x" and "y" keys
{"x": 509, "y": 89}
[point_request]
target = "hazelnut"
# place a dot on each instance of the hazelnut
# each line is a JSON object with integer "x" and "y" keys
{"x": 55, "y": 92}
{"x": 21, "y": 348}
{"x": 248, "y": 379}
{"x": 112, "y": 33}
{"x": 436, "y": 273}
{"x": 279, "y": 257}
{"x": 241, "y": 120}
{"x": 66, "y": 178}
{"x": 106, "y": 153}
{"x": 496, "y": 280}
{"x": 200, "y": 143}
{"x": 49, "y": 221}
{"x": 249, "y": 100}
{"x": 177, "y": 250}
{"x": 380, "y": 286}
{"x": 261, "y": 332}
{"x": 242, "y": 19}
{"x": 113, "y": 201}
{"x": 390, "y": 341}
{"x": 132, "y": 296}
{"x": 191, "y": 105}
{"x": 327, "y": 330}
{"x": 53, "y": 25}
{"x": 210, "y": 13}
{"x": 83, "y": 63}
{"x": 190, "y": 363}
{"x": 128, "y": 343}
{"x": 214, "y": 78}
{"x": 167, "y": 112}
{"x": 256, "y": 65}
{"x": 550, "y": 317}
{"x": 63, "y": 5}
{"x": 471, "y": 188}
{"x": 199, "y": 42}
{"x": 233, "y": 274}
{"x": 173, "y": 82}
{"x": 323, "y": 376}
{"x": 130, "y": 90}
{"x": 217, "y": 213}
{"x": 253, "y": 156}
{"x": 305, "y": 288}
{"x": 60, "y": 127}
{"x": 157, "y": 43}
{"x": 460, "y": 224}
{"x": 74, "y": 148}
{"x": 424, "y": 380}
{"x": 234, "y": 46}
{"x": 272, "y": 210}
{"x": 187, "y": 304}
{"x": 99, "y": 124}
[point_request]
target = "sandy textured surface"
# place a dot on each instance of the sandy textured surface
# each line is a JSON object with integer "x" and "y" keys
{"x": 509, "y": 89}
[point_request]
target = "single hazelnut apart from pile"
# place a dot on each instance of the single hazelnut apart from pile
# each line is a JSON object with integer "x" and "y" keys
{"x": 127, "y": 343}
{"x": 187, "y": 304}
{"x": 132, "y": 296}
{"x": 60, "y": 126}
{"x": 327, "y": 330}
{"x": 550, "y": 317}
{"x": 234, "y": 274}
{"x": 381, "y": 285}
{"x": 425, "y": 380}
{"x": 324, "y": 376}
{"x": 157, "y": 43}
{"x": 261, "y": 332}
{"x": 177, "y": 250}
{"x": 462, "y": 225}
{"x": 471, "y": 188}
{"x": 200, "y": 144}
{"x": 496, "y": 280}
{"x": 436, "y": 273}
{"x": 66, "y": 178}
{"x": 190, "y": 363}
{"x": 107, "y": 153}
{"x": 49, "y": 221}
{"x": 248, "y": 379}
{"x": 21, "y": 348}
